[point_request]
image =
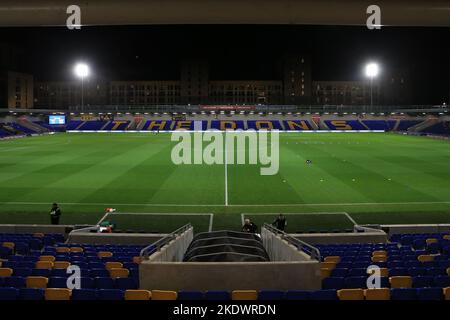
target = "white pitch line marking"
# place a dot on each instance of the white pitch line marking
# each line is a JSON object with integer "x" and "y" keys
{"x": 230, "y": 205}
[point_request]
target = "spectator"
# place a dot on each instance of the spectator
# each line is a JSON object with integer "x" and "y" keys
{"x": 249, "y": 226}
{"x": 280, "y": 222}
{"x": 55, "y": 214}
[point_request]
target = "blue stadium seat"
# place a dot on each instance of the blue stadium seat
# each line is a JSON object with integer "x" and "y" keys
{"x": 22, "y": 248}
{"x": 422, "y": 281}
{"x": 84, "y": 294}
{"x": 57, "y": 282}
{"x": 15, "y": 258}
{"x": 398, "y": 272}
{"x": 435, "y": 271}
{"x": 125, "y": 283}
{"x": 9, "y": 294}
{"x": 31, "y": 294}
{"x": 59, "y": 273}
{"x": 87, "y": 283}
{"x": 15, "y": 282}
{"x": 433, "y": 248}
{"x": 333, "y": 283}
{"x": 297, "y": 295}
{"x": 99, "y": 273}
{"x": 33, "y": 259}
{"x": 35, "y": 244}
{"x": 395, "y": 264}
{"x": 357, "y": 272}
{"x": 442, "y": 281}
{"x": 270, "y": 295}
{"x": 96, "y": 265}
{"x": 361, "y": 264}
{"x": 104, "y": 283}
{"x": 5, "y": 252}
{"x": 419, "y": 244}
{"x": 22, "y": 272}
{"x": 41, "y": 272}
{"x": 80, "y": 264}
{"x": 403, "y": 294}
{"x": 190, "y": 295}
{"x": 339, "y": 272}
{"x": 110, "y": 294}
{"x": 217, "y": 295}
{"x": 414, "y": 272}
{"x": 356, "y": 282}
{"x": 430, "y": 294}
{"x": 329, "y": 294}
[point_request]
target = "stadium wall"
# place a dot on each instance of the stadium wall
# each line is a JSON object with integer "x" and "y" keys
{"x": 205, "y": 276}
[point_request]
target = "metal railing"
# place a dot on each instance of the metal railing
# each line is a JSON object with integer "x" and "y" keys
{"x": 156, "y": 246}
{"x": 311, "y": 108}
{"x": 312, "y": 251}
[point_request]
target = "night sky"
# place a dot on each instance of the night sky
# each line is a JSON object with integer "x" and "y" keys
{"x": 239, "y": 52}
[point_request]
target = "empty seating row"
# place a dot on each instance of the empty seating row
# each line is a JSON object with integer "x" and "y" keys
{"x": 132, "y": 294}
{"x": 64, "y": 282}
{"x": 360, "y": 282}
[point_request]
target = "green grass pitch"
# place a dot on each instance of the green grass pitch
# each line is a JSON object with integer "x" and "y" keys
{"x": 375, "y": 177}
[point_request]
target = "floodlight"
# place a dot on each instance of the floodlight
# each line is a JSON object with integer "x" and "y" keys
{"x": 81, "y": 70}
{"x": 372, "y": 70}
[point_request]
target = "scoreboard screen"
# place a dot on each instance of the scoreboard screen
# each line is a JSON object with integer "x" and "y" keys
{"x": 57, "y": 120}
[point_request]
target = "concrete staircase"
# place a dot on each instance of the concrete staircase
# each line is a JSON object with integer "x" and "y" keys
{"x": 423, "y": 125}
{"x": 32, "y": 126}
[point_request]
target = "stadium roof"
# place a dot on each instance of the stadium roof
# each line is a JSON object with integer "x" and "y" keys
{"x": 141, "y": 12}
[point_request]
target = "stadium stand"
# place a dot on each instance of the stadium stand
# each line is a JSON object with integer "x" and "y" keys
{"x": 33, "y": 267}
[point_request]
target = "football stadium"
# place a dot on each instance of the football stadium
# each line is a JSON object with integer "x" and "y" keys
{"x": 210, "y": 189}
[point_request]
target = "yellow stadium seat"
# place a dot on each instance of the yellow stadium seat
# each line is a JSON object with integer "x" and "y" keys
{"x": 447, "y": 293}
{"x": 334, "y": 259}
{"x": 384, "y": 272}
{"x": 328, "y": 265}
{"x": 110, "y": 265}
{"x": 379, "y": 253}
{"x": 37, "y": 282}
{"x": 57, "y": 294}
{"x": 425, "y": 257}
{"x": 61, "y": 264}
{"x": 447, "y": 237}
{"x": 325, "y": 272}
{"x": 105, "y": 254}
{"x": 6, "y": 272}
{"x": 432, "y": 240}
{"x": 164, "y": 295}
{"x": 377, "y": 294}
{"x": 379, "y": 258}
{"x": 350, "y": 294}
{"x": 44, "y": 265}
{"x": 244, "y": 295}
{"x": 62, "y": 249}
{"x": 138, "y": 295}
{"x": 448, "y": 271}
{"x": 137, "y": 259}
{"x": 76, "y": 249}
{"x": 10, "y": 245}
{"x": 119, "y": 273}
{"x": 47, "y": 258}
{"x": 401, "y": 282}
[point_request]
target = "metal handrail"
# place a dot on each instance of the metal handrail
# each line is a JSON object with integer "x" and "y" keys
{"x": 85, "y": 229}
{"x": 365, "y": 228}
{"x": 156, "y": 246}
{"x": 313, "y": 251}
